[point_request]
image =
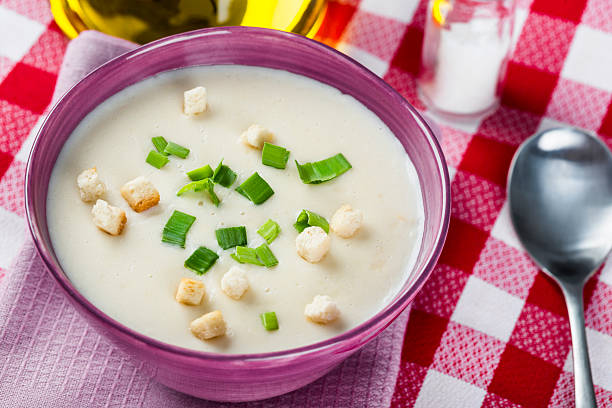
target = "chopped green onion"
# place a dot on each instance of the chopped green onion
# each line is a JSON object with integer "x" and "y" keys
{"x": 255, "y": 189}
{"x": 274, "y": 156}
{"x": 200, "y": 185}
{"x": 176, "y": 150}
{"x": 175, "y": 230}
{"x": 269, "y": 320}
{"x": 156, "y": 160}
{"x": 246, "y": 255}
{"x": 231, "y": 237}
{"x": 265, "y": 255}
{"x": 201, "y": 260}
{"x": 224, "y": 175}
{"x": 323, "y": 170}
{"x": 309, "y": 219}
{"x": 200, "y": 173}
{"x": 160, "y": 144}
{"x": 193, "y": 186}
{"x": 261, "y": 256}
{"x": 210, "y": 189}
{"x": 269, "y": 231}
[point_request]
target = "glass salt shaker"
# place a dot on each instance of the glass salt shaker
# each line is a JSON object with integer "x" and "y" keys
{"x": 465, "y": 53}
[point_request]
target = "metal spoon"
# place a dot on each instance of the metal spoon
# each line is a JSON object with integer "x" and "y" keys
{"x": 560, "y": 198}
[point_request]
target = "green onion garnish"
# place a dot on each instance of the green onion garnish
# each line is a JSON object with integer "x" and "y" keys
{"x": 176, "y": 150}
{"x": 274, "y": 156}
{"x": 246, "y": 255}
{"x": 265, "y": 255}
{"x": 156, "y": 160}
{"x": 175, "y": 230}
{"x": 309, "y": 219}
{"x": 193, "y": 186}
{"x": 255, "y": 189}
{"x": 201, "y": 260}
{"x": 231, "y": 237}
{"x": 160, "y": 144}
{"x": 269, "y": 231}
{"x": 261, "y": 256}
{"x": 224, "y": 175}
{"x": 269, "y": 320}
{"x": 324, "y": 170}
{"x": 200, "y": 185}
{"x": 210, "y": 189}
{"x": 200, "y": 173}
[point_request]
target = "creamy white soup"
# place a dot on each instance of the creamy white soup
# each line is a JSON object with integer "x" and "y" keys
{"x": 133, "y": 277}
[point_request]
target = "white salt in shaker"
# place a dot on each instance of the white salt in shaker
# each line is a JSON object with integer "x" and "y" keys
{"x": 465, "y": 51}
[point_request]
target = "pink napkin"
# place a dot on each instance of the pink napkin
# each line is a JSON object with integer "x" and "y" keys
{"x": 50, "y": 357}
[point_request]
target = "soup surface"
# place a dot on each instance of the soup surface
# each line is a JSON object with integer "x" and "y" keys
{"x": 133, "y": 277}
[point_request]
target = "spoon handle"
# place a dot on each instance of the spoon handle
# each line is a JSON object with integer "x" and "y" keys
{"x": 583, "y": 382}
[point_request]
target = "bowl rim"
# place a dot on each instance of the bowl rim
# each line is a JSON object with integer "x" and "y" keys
{"x": 393, "y": 309}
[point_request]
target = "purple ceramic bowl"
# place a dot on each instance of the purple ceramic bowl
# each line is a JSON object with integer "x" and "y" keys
{"x": 248, "y": 376}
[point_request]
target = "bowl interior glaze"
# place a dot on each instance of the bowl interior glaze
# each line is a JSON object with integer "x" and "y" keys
{"x": 257, "y": 47}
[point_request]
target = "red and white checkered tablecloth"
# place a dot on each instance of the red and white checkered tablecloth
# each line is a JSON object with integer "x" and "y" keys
{"x": 488, "y": 329}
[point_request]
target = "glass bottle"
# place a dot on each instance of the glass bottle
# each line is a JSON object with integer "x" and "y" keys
{"x": 142, "y": 21}
{"x": 465, "y": 52}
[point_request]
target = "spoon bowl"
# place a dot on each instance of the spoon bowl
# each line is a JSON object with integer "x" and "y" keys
{"x": 560, "y": 200}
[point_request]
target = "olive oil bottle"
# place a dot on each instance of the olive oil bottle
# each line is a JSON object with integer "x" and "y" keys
{"x": 142, "y": 21}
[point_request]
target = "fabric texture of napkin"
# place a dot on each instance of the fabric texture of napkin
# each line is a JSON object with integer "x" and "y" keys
{"x": 50, "y": 357}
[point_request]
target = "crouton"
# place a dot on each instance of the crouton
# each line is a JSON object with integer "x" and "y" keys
{"x": 322, "y": 310}
{"x": 90, "y": 186}
{"x": 208, "y": 326}
{"x": 140, "y": 194}
{"x": 346, "y": 221}
{"x": 194, "y": 101}
{"x": 255, "y": 136}
{"x": 312, "y": 244}
{"x": 108, "y": 218}
{"x": 234, "y": 283}
{"x": 190, "y": 292}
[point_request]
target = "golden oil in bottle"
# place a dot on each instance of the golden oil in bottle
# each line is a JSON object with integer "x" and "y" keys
{"x": 142, "y": 21}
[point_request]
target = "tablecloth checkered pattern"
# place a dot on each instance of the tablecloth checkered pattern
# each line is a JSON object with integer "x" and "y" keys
{"x": 488, "y": 329}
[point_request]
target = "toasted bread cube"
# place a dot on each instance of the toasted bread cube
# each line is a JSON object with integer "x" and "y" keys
{"x": 108, "y": 218}
{"x": 346, "y": 221}
{"x": 90, "y": 186}
{"x": 322, "y": 310}
{"x": 256, "y": 135}
{"x": 194, "y": 101}
{"x": 140, "y": 194}
{"x": 312, "y": 244}
{"x": 190, "y": 292}
{"x": 234, "y": 283}
{"x": 208, "y": 326}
